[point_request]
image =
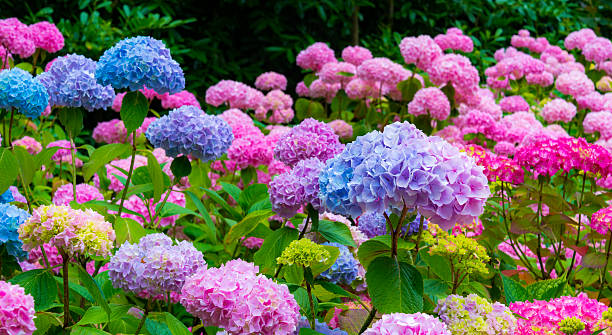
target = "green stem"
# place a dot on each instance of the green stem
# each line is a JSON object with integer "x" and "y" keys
{"x": 368, "y": 320}
{"x": 539, "y": 217}
{"x": 10, "y": 130}
{"x": 144, "y": 317}
{"x": 605, "y": 268}
{"x": 571, "y": 267}
{"x": 161, "y": 207}
{"x": 418, "y": 240}
{"x": 311, "y": 301}
{"x": 129, "y": 176}
{"x": 72, "y": 155}
{"x": 66, "y": 260}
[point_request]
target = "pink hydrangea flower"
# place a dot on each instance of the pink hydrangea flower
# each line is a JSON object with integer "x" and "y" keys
{"x": 315, "y": 56}
{"x": 455, "y": 40}
{"x": 430, "y": 100}
{"x": 118, "y": 101}
{"x": 455, "y": 69}
{"x": 234, "y": 116}
{"x": 574, "y": 83}
{"x": 543, "y": 79}
{"x": 505, "y": 148}
{"x": 31, "y": 145}
{"x": 269, "y": 81}
{"x": 421, "y": 50}
{"x": 593, "y": 101}
{"x": 331, "y": 73}
{"x": 63, "y": 155}
{"x": 183, "y": 98}
{"x": 598, "y": 50}
{"x": 235, "y": 94}
{"x": 382, "y": 70}
{"x": 47, "y": 37}
{"x": 558, "y": 110}
{"x": 408, "y": 324}
{"x": 515, "y": 103}
{"x": 360, "y": 89}
{"x": 251, "y": 151}
{"x": 112, "y": 131}
{"x": 320, "y": 90}
{"x": 341, "y": 128}
{"x": 578, "y": 39}
{"x": 275, "y": 108}
{"x": 356, "y": 55}
{"x": 252, "y": 242}
{"x": 598, "y": 122}
{"x": 17, "y": 37}
{"x": 601, "y": 221}
{"x": 302, "y": 90}
{"x": 16, "y": 310}
{"x": 85, "y": 192}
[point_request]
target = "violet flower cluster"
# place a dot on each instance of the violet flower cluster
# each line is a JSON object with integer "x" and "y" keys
{"x": 309, "y": 139}
{"x": 291, "y": 190}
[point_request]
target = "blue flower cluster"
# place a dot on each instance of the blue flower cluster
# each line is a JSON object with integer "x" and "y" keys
{"x": 344, "y": 270}
{"x": 403, "y": 167}
{"x": 70, "y": 82}
{"x": 320, "y": 327}
{"x": 137, "y": 62}
{"x": 11, "y": 218}
{"x": 372, "y": 224}
{"x": 19, "y": 90}
{"x": 188, "y": 130}
{"x": 6, "y": 197}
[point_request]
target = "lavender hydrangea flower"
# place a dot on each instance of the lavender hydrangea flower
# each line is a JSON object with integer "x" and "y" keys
{"x": 372, "y": 224}
{"x": 300, "y": 186}
{"x": 309, "y": 139}
{"x": 11, "y": 218}
{"x": 137, "y": 62}
{"x": 320, "y": 327}
{"x": 344, "y": 270}
{"x": 154, "y": 265}
{"x": 188, "y": 130}
{"x": 70, "y": 82}
{"x": 413, "y": 227}
{"x": 19, "y": 90}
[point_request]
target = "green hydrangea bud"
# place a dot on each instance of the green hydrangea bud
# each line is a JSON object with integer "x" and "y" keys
{"x": 304, "y": 253}
{"x": 571, "y": 326}
{"x": 465, "y": 253}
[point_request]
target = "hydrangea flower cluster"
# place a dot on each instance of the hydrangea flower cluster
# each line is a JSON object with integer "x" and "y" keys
{"x": 558, "y": 110}
{"x": 154, "y": 264}
{"x": 189, "y": 131}
{"x": 70, "y": 82}
{"x": 421, "y": 50}
{"x": 269, "y": 81}
{"x": 571, "y": 326}
{"x": 309, "y": 139}
{"x": 16, "y": 37}
{"x": 16, "y": 310}
{"x": 396, "y": 168}
{"x": 11, "y": 218}
{"x": 599, "y": 122}
{"x": 291, "y": 190}
{"x": 140, "y": 61}
{"x": 337, "y": 73}
{"x": 20, "y": 91}
{"x": 497, "y": 167}
{"x": 315, "y": 56}
{"x": 73, "y": 231}
{"x": 64, "y": 155}
{"x": 601, "y": 221}
{"x": 372, "y": 224}
{"x": 408, "y": 324}
{"x": 356, "y": 55}
{"x": 235, "y": 94}
{"x": 454, "y": 40}
{"x": 114, "y": 131}
{"x": 466, "y": 254}
{"x": 31, "y": 145}
{"x": 182, "y": 98}
{"x": 341, "y": 128}
{"x": 85, "y": 192}
{"x": 303, "y": 253}
{"x": 344, "y": 269}
{"x": 432, "y": 101}
{"x": 474, "y": 315}
{"x": 545, "y": 316}
{"x": 514, "y": 103}
{"x": 235, "y": 298}
{"x": 275, "y": 108}
{"x": 320, "y": 327}
{"x": 46, "y": 36}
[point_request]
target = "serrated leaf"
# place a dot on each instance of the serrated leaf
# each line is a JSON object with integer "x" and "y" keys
{"x": 134, "y": 109}
{"x": 102, "y": 156}
{"x": 336, "y": 232}
{"x": 395, "y": 287}
{"x": 246, "y": 225}
{"x": 40, "y": 285}
{"x": 8, "y": 162}
{"x": 513, "y": 290}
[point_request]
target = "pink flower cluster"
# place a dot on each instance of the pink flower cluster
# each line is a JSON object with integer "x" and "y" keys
{"x": 341, "y": 128}
{"x": 114, "y": 131}
{"x": 455, "y": 40}
{"x": 356, "y": 55}
{"x": 182, "y": 98}
{"x": 599, "y": 122}
{"x": 546, "y": 315}
{"x": 63, "y": 155}
{"x": 31, "y": 145}
{"x": 496, "y": 166}
{"x": 269, "y": 81}
{"x": 16, "y": 310}
{"x": 234, "y": 94}
{"x": 574, "y": 83}
{"x": 23, "y": 40}
{"x": 421, "y": 50}
{"x": 85, "y": 192}
{"x": 315, "y": 56}
{"x": 432, "y": 101}
{"x": 514, "y": 103}
{"x": 235, "y": 298}
{"x": 318, "y": 90}
{"x": 276, "y": 107}
{"x": 524, "y": 40}
{"x": 558, "y": 110}
{"x": 337, "y": 73}
{"x": 408, "y": 324}
{"x": 601, "y": 221}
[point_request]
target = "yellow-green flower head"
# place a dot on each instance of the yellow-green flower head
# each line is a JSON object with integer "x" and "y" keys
{"x": 463, "y": 251}
{"x": 571, "y": 326}
{"x": 72, "y": 231}
{"x": 304, "y": 253}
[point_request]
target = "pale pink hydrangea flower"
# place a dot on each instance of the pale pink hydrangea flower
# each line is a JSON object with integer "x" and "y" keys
{"x": 360, "y": 89}
{"x": 315, "y": 56}
{"x": 63, "y": 155}
{"x": 302, "y": 90}
{"x": 183, "y": 98}
{"x": 574, "y": 83}
{"x": 543, "y": 79}
{"x": 593, "y": 101}
{"x": 341, "y": 128}
{"x": 382, "y": 70}
{"x": 455, "y": 69}
{"x": 31, "y": 145}
{"x": 235, "y": 94}
{"x": 85, "y": 192}
{"x": 558, "y": 110}
{"x": 598, "y": 122}
{"x": 432, "y": 101}
{"x": 235, "y": 117}
{"x": 16, "y": 310}
{"x": 320, "y": 90}
{"x": 515, "y": 103}
{"x": 337, "y": 73}
{"x": 455, "y": 40}
{"x": 504, "y": 148}
{"x": 598, "y": 50}
{"x": 275, "y": 108}
{"x": 356, "y": 55}
{"x": 276, "y": 132}
{"x": 578, "y": 39}
{"x": 421, "y": 50}
{"x": 269, "y": 81}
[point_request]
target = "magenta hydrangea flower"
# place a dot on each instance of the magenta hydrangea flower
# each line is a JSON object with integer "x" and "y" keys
{"x": 454, "y": 40}
{"x": 31, "y": 145}
{"x": 234, "y": 117}
{"x": 63, "y": 155}
{"x": 337, "y": 72}
{"x": 315, "y": 56}
{"x": 341, "y": 128}
{"x": 235, "y": 298}
{"x": 253, "y": 150}
{"x": 46, "y": 36}
{"x": 235, "y": 94}
{"x": 16, "y": 37}
{"x": 574, "y": 83}
{"x": 309, "y": 139}
{"x": 155, "y": 264}
{"x": 85, "y": 192}
{"x": 422, "y": 51}
{"x": 356, "y": 55}
{"x": 601, "y": 221}
{"x": 408, "y": 324}
{"x": 558, "y": 110}
{"x": 578, "y": 39}
{"x": 269, "y": 81}
{"x": 16, "y": 310}
{"x": 514, "y": 103}
{"x": 182, "y": 98}
{"x": 543, "y": 79}
{"x": 454, "y": 69}
{"x": 432, "y": 101}
{"x": 382, "y": 70}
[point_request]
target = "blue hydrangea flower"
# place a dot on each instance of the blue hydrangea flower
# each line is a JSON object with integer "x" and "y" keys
{"x": 137, "y": 62}
{"x": 320, "y": 327}
{"x": 70, "y": 82}
{"x": 413, "y": 227}
{"x": 7, "y": 197}
{"x": 11, "y": 218}
{"x": 372, "y": 224}
{"x": 344, "y": 270}
{"x": 188, "y": 130}
{"x": 19, "y": 90}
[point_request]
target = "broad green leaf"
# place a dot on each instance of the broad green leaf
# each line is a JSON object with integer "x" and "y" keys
{"x": 248, "y": 175}
{"x": 77, "y": 289}
{"x": 246, "y": 225}
{"x": 204, "y": 214}
{"x": 27, "y": 165}
{"x": 92, "y": 287}
{"x": 95, "y": 314}
{"x": 336, "y": 232}
{"x": 395, "y": 287}
{"x": 180, "y": 167}
{"x": 214, "y": 196}
{"x": 157, "y": 327}
{"x": 72, "y": 120}
{"x": 44, "y": 321}
{"x": 435, "y": 289}
{"x": 44, "y": 157}
{"x": 439, "y": 265}
{"x": 594, "y": 260}
{"x": 273, "y": 246}
{"x": 128, "y": 230}
{"x": 134, "y": 109}
{"x": 176, "y": 326}
{"x": 314, "y": 219}
{"x": 251, "y": 195}
{"x": 546, "y": 289}
{"x": 333, "y": 288}
{"x": 40, "y": 285}
{"x": 232, "y": 190}
{"x": 171, "y": 209}
{"x": 78, "y": 330}
{"x": 8, "y": 162}
{"x": 320, "y": 267}
{"x": 513, "y": 290}
{"x": 408, "y": 88}
{"x": 305, "y": 108}
{"x": 102, "y": 156}
{"x": 157, "y": 176}
{"x": 261, "y": 204}
{"x": 308, "y": 331}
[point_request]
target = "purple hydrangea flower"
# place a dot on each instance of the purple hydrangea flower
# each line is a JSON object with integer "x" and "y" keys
{"x": 320, "y": 327}
{"x": 372, "y": 224}
{"x": 137, "y": 62}
{"x": 19, "y": 90}
{"x": 300, "y": 186}
{"x": 188, "y": 130}
{"x": 154, "y": 265}
{"x": 344, "y": 270}
{"x": 309, "y": 139}
{"x": 70, "y": 82}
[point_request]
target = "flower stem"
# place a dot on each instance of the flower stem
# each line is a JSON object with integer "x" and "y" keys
{"x": 368, "y": 320}
{"x": 571, "y": 267}
{"x": 144, "y": 317}
{"x": 129, "y": 176}
{"x": 311, "y": 301}
{"x": 605, "y": 268}
{"x": 72, "y": 155}
{"x": 66, "y": 260}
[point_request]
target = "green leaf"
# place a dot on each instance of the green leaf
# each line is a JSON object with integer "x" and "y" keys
{"x": 156, "y": 327}
{"x": 214, "y": 196}
{"x": 44, "y": 157}
{"x": 336, "y": 289}
{"x": 204, "y": 214}
{"x": 594, "y": 260}
{"x": 546, "y": 289}
{"x": 248, "y": 174}
{"x": 128, "y": 230}
{"x": 336, "y": 232}
{"x": 395, "y": 287}
{"x": 176, "y": 326}
{"x": 72, "y": 120}
{"x": 305, "y": 108}
{"x": 408, "y": 88}
{"x": 102, "y": 156}
{"x": 314, "y": 218}
{"x": 76, "y": 289}
{"x": 370, "y": 250}
{"x": 513, "y": 290}
{"x": 44, "y": 321}
{"x": 251, "y": 195}
{"x": 171, "y": 209}
{"x": 134, "y": 109}
{"x": 435, "y": 289}
{"x": 8, "y": 162}
{"x": 157, "y": 176}
{"x": 180, "y": 167}
{"x": 26, "y": 164}
{"x": 273, "y": 246}
{"x": 232, "y": 190}
{"x": 40, "y": 285}
{"x": 94, "y": 289}
{"x": 439, "y": 265}
{"x": 78, "y": 330}
{"x": 320, "y": 267}
{"x": 246, "y": 225}
{"x": 96, "y": 315}
{"x": 308, "y": 331}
